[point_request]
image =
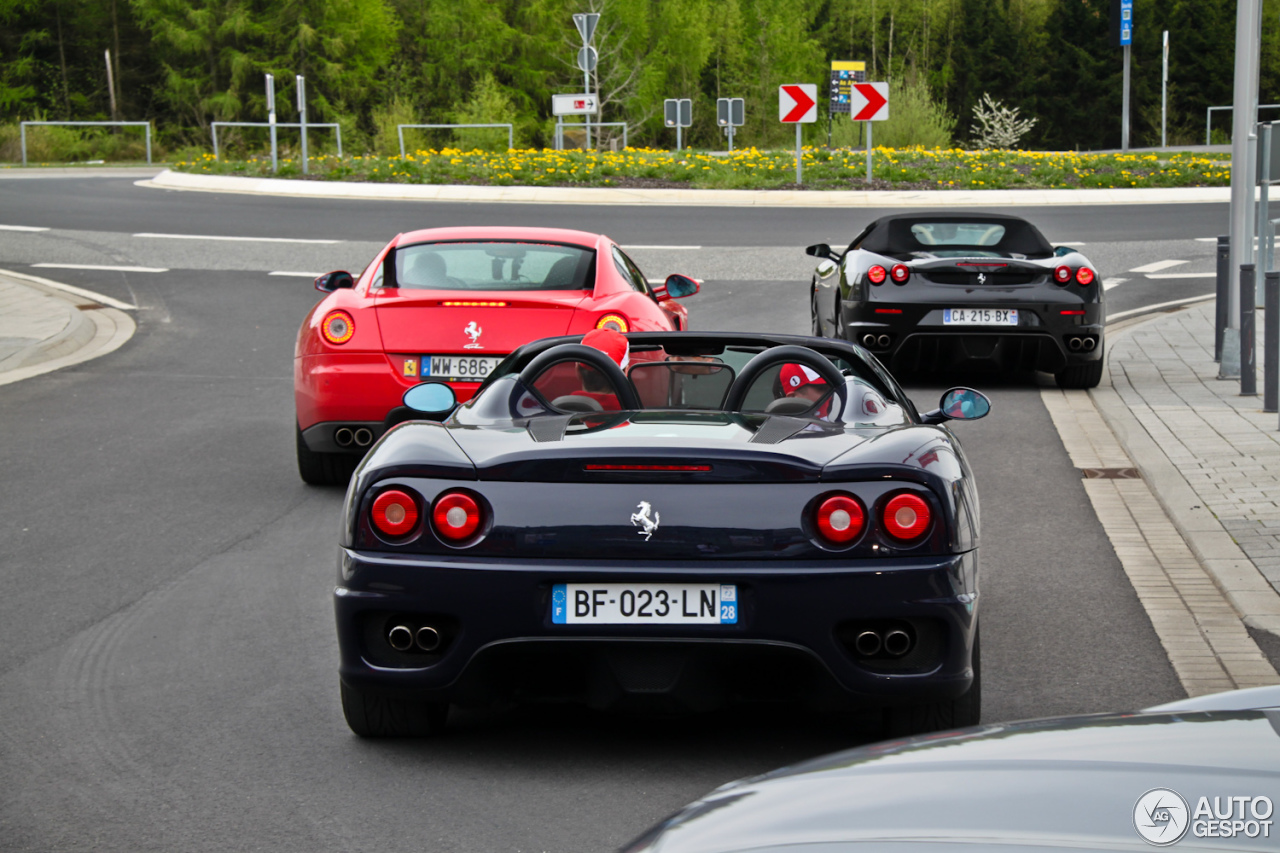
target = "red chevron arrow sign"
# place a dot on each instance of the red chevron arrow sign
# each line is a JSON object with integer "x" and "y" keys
{"x": 798, "y": 103}
{"x": 869, "y": 102}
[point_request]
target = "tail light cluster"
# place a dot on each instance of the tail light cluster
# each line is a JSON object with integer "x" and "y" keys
{"x": 877, "y": 274}
{"x": 1083, "y": 276}
{"x": 338, "y": 327}
{"x": 841, "y": 519}
{"x": 899, "y": 273}
{"x": 613, "y": 321}
{"x": 456, "y": 516}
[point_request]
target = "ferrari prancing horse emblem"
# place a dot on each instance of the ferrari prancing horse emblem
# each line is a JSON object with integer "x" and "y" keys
{"x": 642, "y": 520}
{"x": 473, "y": 331}
{"x": 982, "y": 278}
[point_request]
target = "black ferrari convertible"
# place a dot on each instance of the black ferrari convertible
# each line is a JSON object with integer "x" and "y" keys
{"x": 925, "y": 291}
{"x": 698, "y": 519}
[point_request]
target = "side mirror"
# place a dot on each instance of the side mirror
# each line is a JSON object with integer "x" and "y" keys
{"x": 821, "y": 250}
{"x": 676, "y": 287}
{"x": 959, "y": 404}
{"x": 431, "y": 398}
{"x": 331, "y": 281}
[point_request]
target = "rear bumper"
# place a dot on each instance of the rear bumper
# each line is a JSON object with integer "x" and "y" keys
{"x": 793, "y": 639}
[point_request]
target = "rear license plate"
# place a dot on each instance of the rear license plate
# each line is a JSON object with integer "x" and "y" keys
{"x": 979, "y": 317}
{"x": 644, "y": 604}
{"x": 462, "y": 368}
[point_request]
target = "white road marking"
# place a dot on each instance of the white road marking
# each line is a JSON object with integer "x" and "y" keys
{"x": 297, "y": 274}
{"x": 78, "y": 291}
{"x": 21, "y": 228}
{"x": 661, "y": 247}
{"x": 1108, "y": 283}
{"x": 1069, "y": 243}
{"x": 1157, "y": 266}
{"x": 99, "y": 267}
{"x": 1208, "y": 239}
{"x": 1183, "y": 275}
{"x": 234, "y": 239}
{"x": 1111, "y": 318}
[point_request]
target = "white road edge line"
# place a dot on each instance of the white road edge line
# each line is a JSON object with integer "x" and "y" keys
{"x": 1183, "y": 275}
{"x": 676, "y": 248}
{"x": 233, "y": 239}
{"x": 104, "y": 267}
{"x": 1111, "y": 318}
{"x": 1157, "y": 266}
{"x": 77, "y": 291}
{"x": 297, "y": 274}
{"x": 21, "y": 228}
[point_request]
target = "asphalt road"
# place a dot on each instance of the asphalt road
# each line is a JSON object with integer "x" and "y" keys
{"x": 168, "y": 680}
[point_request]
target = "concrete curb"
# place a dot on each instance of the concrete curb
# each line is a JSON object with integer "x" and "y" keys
{"x": 1233, "y": 572}
{"x": 92, "y": 330}
{"x": 171, "y": 180}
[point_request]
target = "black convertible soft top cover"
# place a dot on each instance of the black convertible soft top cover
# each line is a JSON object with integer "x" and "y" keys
{"x": 893, "y": 235}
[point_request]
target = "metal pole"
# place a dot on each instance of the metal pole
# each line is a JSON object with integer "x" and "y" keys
{"x": 337, "y": 129}
{"x": 111, "y": 89}
{"x": 148, "y": 143}
{"x": 586, "y": 87}
{"x": 1244, "y": 99}
{"x": 214, "y": 128}
{"x": 1271, "y": 343}
{"x": 400, "y": 133}
{"x": 22, "y": 132}
{"x": 799, "y": 155}
{"x": 1248, "y": 333}
{"x": 271, "y": 120}
{"x": 1164, "y": 94}
{"x": 868, "y": 124}
{"x": 302, "y": 116}
{"x": 678, "y": 142}
{"x": 1124, "y": 107}
{"x": 1224, "y": 284}
{"x": 511, "y": 137}
{"x": 1262, "y": 217}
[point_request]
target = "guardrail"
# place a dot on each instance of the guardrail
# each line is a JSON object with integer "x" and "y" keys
{"x": 1208, "y": 116}
{"x": 22, "y": 130}
{"x": 337, "y": 128}
{"x": 561, "y": 127}
{"x": 511, "y": 132}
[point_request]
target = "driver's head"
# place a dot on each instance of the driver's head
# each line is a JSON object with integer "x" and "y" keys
{"x": 427, "y": 269}
{"x": 611, "y": 343}
{"x": 803, "y": 382}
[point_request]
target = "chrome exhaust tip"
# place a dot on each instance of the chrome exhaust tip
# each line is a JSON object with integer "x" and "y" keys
{"x": 1089, "y": 344}
{"x": 897, "y": 643}
{"x": 343, "y": 437}
{"x": 1074, "y": 344}
{"x": 867, "y": 643}
{"x": 400, "y": 638}
{"x": 883, "y": 341}
{"x": 427, "y": 638}
{"x": 868, "y": 340}
{"x": 364, "y": 436}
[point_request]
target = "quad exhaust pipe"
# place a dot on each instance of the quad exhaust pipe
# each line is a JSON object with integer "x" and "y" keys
{"x": 402, "y": 638}
{"x": 893, "y": 643}
{"x": 873, "y": 342}
{"x": 868, "y": 341}
{"x": 1079, "y": 344}
{"x": 343, "y": 436}
{"x": 363, "y": 437}
{"x": 347, "y": 436}
{"x": 1089, "y": 344}
{"x": 867, "y": 643}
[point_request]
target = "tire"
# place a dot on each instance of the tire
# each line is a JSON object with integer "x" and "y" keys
{"x": 323, "y": 469}
{"x": 374, "y": 715}
{"x": 938, "y": 716}
{"x": 815, "y": 322}
{"x": 1080, "y": 375}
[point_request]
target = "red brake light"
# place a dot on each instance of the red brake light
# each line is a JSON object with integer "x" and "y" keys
{"x": 900, "y": 273}
{"x": 338, "y": 327}
{"x": 613, "y": 321}
{"x": 1062, "y": 274}
{"x": 674, "y": 468}
{"x": 906, "y": 517}
{"x": 456, "y": 516}
{"x": 395, "y": 513}
{"x": 840, "y": 519}
{"x": 1084, "y": 276}
{"x": 876, "y": 274}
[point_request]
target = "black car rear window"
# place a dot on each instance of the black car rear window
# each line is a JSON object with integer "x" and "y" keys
{"x": 912, "y": 235}
{"x": 494, "y": 266}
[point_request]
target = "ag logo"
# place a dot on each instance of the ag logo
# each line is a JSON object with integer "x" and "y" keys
{"x": 1161, "y": 817}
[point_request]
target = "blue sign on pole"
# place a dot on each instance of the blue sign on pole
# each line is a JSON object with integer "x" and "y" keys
{"x": 1126, "y": 22}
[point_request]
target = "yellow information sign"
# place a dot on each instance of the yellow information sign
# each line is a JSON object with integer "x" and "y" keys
{"x": 843, "y": 75}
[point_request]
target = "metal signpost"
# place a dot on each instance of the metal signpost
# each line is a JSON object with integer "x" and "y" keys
{"x": 1126, "y": 40}
{"x": 677, "y": 113}
{"x": 869, "y": 102}
{"x": 302, "y": 116}
{"x": 843, "y": 75}
{"x": 587, "y": 57}
{"x": 1164, "y": 93}
{"x": 798, "y": 104}
{"x": 730, "y": 113}
{"x": 585, "y": 104}
{"x": 271, "y": 121}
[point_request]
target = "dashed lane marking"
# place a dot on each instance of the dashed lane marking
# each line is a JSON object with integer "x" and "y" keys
{"x": 106, "y": 267}
{"x": 297, "y": 274}
{"x": 21, "y": 228}
{"x": 1157, "y": 266}
{"x": 1183, "y": 275}
{"x": 1108, "y": 283}
{"x": 233, "y": 239}
{"x": 661, "y": 247}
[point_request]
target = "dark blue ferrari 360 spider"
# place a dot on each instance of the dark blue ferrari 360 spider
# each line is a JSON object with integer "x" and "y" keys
{"x": 664, "y": 520}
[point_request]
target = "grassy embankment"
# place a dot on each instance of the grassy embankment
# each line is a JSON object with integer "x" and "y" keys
{"x": 903, "y": 168}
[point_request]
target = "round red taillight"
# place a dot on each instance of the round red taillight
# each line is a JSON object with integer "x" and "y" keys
{"x": 338, "y": 327}
{"x": 613, "y": 321}
{"x": 1062, "y": 274}
{"x": 877, "y": 274}
{"x": 456, "y": 516}
{"x": 395, "y": 513}
{"x": 1084, "y": 276}
{"x": 906, "y": 517}
{"x": 840, "y": 519}
{"x": 900, "y": 273}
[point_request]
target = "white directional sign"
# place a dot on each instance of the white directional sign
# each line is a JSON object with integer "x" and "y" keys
{"x": 869, "y": 102}
{"x": 575, "y": 105}
{"x": 798, "y": 103}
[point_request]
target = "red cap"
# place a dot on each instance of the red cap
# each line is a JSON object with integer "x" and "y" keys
{"x": 611, "y": 343}
{"x": 796, "y": 375}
